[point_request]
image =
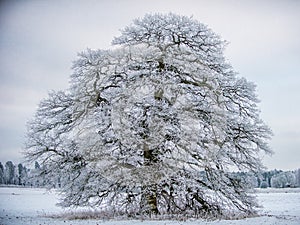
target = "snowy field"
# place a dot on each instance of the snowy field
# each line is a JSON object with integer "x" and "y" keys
{"x": 20, "y": 206}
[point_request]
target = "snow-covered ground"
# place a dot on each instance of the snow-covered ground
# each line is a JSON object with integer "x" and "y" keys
{"x": 26, "y": 206}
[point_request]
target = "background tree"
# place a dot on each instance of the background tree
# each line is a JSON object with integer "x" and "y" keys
{"x": 298, "y": 177}
{"x": 9, "y": 173}
{"x": 22, "y": 175}
{"x": 153, "y": 126}
{"x": 2, "y": 180}
{"x": 284, "y": 179}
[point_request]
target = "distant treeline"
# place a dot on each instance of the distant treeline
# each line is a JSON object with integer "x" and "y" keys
{"x": 272, "y": 178}
{"x": 19, "y": 174}
{"x": 11, "y": 174}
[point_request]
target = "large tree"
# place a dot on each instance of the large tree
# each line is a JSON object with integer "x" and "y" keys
{"x": 153, "y": 126}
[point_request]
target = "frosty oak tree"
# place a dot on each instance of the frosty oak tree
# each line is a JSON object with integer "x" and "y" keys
{"x": 152, "y": 126}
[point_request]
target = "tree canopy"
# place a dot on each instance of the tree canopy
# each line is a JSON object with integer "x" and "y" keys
{"x": 154, "y": 125}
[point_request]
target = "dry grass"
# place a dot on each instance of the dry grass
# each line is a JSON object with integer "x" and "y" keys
{"x": 90, "y": 214}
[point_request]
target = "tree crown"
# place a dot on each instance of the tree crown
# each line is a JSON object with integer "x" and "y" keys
{"x": 156, "y": 122}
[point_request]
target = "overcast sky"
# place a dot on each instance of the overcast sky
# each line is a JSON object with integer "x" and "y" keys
{"x": 40, "y": 39}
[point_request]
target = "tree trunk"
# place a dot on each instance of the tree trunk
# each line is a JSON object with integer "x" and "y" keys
{"x": 149, "y": 199}
{"x": 149, "y": 192}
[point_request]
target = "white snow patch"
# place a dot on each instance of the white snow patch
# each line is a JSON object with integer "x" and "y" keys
{"x": 24, "y": 206}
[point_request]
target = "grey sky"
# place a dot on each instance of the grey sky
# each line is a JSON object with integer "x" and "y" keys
{"x": 40, "y": 39}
